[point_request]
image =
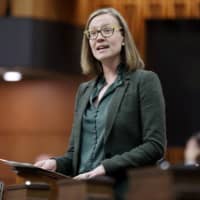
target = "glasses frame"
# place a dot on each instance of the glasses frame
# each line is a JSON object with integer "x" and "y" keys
{"x": 99, "y": 30}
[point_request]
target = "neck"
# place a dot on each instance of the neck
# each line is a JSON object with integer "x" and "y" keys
{"x": 110, "y": 71}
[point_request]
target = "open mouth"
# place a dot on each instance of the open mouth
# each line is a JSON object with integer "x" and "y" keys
{"x": 100, "y": 47}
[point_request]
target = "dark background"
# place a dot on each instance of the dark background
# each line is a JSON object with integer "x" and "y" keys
{"x": 31, "y": 43}
{"x": 173, "y": 52}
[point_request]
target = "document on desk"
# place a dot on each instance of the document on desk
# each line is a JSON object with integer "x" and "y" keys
{"x": 28, "y": 168}
{"x": 15, "y": 163}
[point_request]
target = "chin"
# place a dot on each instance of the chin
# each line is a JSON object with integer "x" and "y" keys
{"x": 102, "y": 58}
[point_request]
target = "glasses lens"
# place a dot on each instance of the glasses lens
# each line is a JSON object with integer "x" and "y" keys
{"x": 107, "y": 31}
{"x": 92, "y": 34}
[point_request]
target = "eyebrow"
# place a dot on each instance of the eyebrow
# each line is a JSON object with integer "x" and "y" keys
{"x": 96, "y": 27}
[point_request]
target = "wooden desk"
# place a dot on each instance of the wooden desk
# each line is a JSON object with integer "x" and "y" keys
{"x": 99, "y": 188}
{"x": 28, "y": 191}
{"x": 175, "y": 183}
{"x": 35, "y": 175}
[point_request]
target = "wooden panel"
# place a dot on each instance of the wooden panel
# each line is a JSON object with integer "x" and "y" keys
{"x": 106, "y": 3}
{"x": 93, "y": 189}
{"x": 32, "y": 191}
{"x": 82, "y": 10}
{"x": 6, "y": 174}
{"x": 3, "y": 6}
{"x": 22, "y": 8}
{"x": 176, "y": 183}
{"x": 155, "y": 9}
{"x": 42, "y": 9}
{"x": 175, "y": 155}
{"x": 179, "y": 8}
{"x": 133, "y": 13}
{"x": 195, "y": 10}
{"x": 36, "y": 118}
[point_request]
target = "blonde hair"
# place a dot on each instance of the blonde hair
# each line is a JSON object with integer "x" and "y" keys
{"x": 129, "y": 54}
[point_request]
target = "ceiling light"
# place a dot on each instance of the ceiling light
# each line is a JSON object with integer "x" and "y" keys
{"x": 12, "y": 76}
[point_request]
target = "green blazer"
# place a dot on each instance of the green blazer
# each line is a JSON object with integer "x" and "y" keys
{"x": 135, "y": 130}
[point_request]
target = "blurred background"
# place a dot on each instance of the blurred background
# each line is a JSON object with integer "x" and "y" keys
{"x": 40, "y": 42}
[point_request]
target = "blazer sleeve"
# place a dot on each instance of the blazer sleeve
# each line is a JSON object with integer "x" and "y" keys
{"x": 152, "y": 114}
{"x": 65, "y": 162}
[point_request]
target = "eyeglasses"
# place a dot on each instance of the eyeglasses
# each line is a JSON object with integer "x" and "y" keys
{"x": 106, "y": 31}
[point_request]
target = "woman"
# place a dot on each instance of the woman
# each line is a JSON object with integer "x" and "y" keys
{"x": 119, "y": 119}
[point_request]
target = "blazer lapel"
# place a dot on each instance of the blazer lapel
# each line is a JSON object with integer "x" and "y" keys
{"x": 82, "y": 106}
{"x": 84, "y": 98}
{"x": 114, "y": 106}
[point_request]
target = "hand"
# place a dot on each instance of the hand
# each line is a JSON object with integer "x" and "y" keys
{"x": 99, "y": 171}
{"x": 191, "y": 152}
{"x": 43, "y": 157}
{"x": 49, "y": 164}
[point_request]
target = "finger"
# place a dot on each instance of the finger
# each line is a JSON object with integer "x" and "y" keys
{"x": 77, "y": 177}
{"x": 82, "y": 176}
{"x": 47, "y": 166}
{"x": 39, "y": 164}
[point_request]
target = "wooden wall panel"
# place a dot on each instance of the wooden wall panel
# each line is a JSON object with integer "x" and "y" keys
{"x": 3, "y": 6}
{"x": 106, "y": 3}
{"x": 175, "y": 155}
{"x": 74, "y": 12}
{"x": 77, "y": 11}
{"x": 133, "y": 14}
{"x": 36, "y": 118}
{"x": 82, "y": 10}
{"x": 22, "y": 8}
{"x": 195, "y": 8}
{"x": 155, "y": 9}
{"x": 7, "y": 175}
{"x": 56, "y": 10}
{"x": 179, "y": 8}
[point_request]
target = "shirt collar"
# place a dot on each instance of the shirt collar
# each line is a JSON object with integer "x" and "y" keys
{"x": 121, "y": 69}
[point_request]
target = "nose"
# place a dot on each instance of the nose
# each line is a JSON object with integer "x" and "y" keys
{"x": 100, "y": 37}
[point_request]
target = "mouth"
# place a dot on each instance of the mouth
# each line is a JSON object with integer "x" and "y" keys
{"x": 101, "y": 47}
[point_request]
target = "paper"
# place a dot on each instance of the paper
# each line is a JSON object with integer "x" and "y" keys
{"x": 16, "y": 164}
{"x": 28, "y": 168}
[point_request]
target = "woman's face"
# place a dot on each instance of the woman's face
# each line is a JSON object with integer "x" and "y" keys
{"x": 106, "y": 48}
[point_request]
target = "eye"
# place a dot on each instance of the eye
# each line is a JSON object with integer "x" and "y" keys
{"x": 92, "y": 32}
{"x": 107, "y": 30}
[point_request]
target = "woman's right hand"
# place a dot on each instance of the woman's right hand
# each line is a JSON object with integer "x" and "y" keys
{"x": 49, "y": 164}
